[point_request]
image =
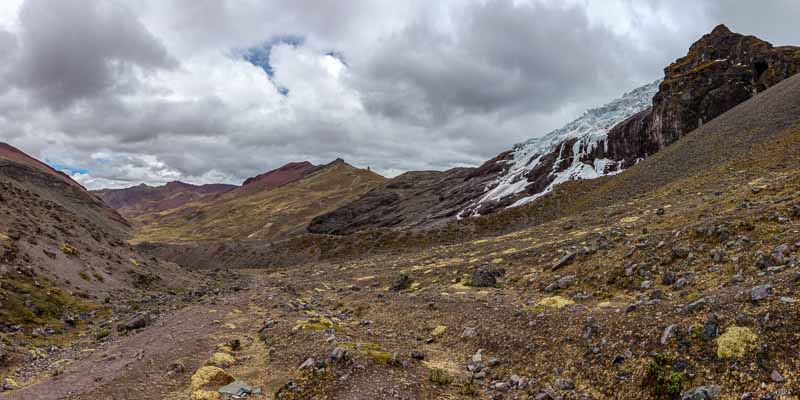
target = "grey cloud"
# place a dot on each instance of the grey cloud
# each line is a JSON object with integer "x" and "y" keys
{"x": 501, "y": 57}
{"x": 77, "y": 49}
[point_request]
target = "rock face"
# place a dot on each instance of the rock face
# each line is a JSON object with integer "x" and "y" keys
{"x": 721, "y": 70}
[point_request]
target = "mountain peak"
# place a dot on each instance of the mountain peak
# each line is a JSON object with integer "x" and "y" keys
{"x": 721, "y": 29}
{"x": 282, "y": 175}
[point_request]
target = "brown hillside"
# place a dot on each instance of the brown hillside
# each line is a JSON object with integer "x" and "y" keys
{"x": 267, "y": 214}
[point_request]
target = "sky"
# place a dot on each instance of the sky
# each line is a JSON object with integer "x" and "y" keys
{"x": 118, "y": 93}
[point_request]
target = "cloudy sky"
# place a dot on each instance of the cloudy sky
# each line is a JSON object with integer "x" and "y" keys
{"x": 124, "y": 92}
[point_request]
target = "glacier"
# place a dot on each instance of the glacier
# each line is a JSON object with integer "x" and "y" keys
{"x": 590, "y": 130}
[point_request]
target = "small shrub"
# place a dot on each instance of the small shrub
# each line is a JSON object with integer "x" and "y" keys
{"x": 440, "y": 377}
{"x": 468, "y": 389}
{"x": 664, "y": 382}
{"x": 69, "y": 249}
{"x": 102, "y": 335}
{"x": 84, "y": 276}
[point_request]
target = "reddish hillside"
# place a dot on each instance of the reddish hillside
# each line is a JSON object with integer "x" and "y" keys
{"x": 12, "y": 153}
{"x": 144, "y": 199}
{"x": 280, "y": 176}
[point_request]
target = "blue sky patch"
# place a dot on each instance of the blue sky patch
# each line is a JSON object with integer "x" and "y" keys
{"x": 66, "y": 168}
{"x": 260, "y": 56}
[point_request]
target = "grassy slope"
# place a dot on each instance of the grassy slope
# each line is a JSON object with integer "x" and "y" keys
{"x": 269, "y": 214}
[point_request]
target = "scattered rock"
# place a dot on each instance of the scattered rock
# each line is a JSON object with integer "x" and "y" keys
{"x": 668, "y": 334}
{"x": 681, "y": 252}
{"x": 760, "y": 292}
{"x": 566, "y": 281}
{"x": 402, "y": 282}
{"x": 417, "y": 355}
{"x": 565, "y": 384}
{"x": 710, "y": 328}
{"x": 696, "y": 305}
{"x": 469, "y": 332}
{"x": 776, "y": 377}
{"x": 486, "y": 276}
{"x": 239, "y": 389}
{"x": 564, "y": 261}
{"x": 710, "y": 392}
{"x": 340, "y": 355}
{"x": 138, "y": 321}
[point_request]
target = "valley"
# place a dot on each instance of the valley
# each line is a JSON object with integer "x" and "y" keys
{"x": 648, "y": 250}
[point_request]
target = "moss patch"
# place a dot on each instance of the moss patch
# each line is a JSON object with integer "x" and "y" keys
{"x": 736, "y": 342}
{"x": 554, "y": 302}
{"x": 210, "y": 377}
{"x": 314, "y": 324}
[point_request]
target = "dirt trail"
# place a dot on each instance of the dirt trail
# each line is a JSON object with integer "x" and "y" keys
{"x": 135, "y": 367}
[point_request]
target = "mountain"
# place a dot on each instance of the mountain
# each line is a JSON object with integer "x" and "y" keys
{"x": 61, "y": 246}
{"x": 721, "y": 70}
{"x": 137, "y": 200}
{"x": 270, "y": 206}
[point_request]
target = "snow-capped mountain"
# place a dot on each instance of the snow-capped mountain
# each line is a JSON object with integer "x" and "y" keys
{"x": 565, "y": 151}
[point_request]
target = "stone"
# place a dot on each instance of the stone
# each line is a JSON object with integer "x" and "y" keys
{"x": 669, "y": 333}
{"x": 477, "y": 357}
{"x": 680, "y": 252}
{"x": 669, "y": 278}
{"x": 138, "y": 321}
{"x": 486, "y": 276}
{"x": 564, "y": 261}
{"x": 401, "y": 283}
{"x": 566, "y": 281}
{"x": 238, "y": 389}
{"x": 565, "y": 384}
{"x": 710, "y": 328}
{"x": 469, "y": 332}
{"x": 788, "y": 300}
{"x": 710, "y": 392}
{"x": 760, "y": 292}
{"x": 307, "y": 364}
{"x": 340, "y": 355}
{"x": 696, "y": 305}
{"x": 418, "y": 355}
{"x": 776, "y": 377}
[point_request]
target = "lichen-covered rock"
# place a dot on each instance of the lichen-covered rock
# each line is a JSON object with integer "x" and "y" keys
{"x": 205, "y": 395}
{"x": 222, "y": 360}
{"x": 554, "y": 302}
{"x": 736, "y": 342}
{"x": 210, "y": 377}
